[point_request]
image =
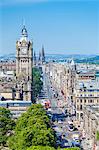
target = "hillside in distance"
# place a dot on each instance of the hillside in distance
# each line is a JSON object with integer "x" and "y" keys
{"x": 78, "y": 58}
{"x": 91, "y": 60}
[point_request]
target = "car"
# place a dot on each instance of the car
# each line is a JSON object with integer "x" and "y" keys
{"x": 64, "y": 135}
{"x": 53, "y": 126}
{"x": 75, "y": 136}
{"x": 70, "y": 127}
{"x": 65, "y": 111}
{"x": 49, "y": 109}
{"x": 58, "y": 134}
{"x": 60, "y": 122}
{"x": 58, "y": 143}
{"x": 76, "y": 143}
{"x": 65, "y": 143}
{"x": 59, "y": 137}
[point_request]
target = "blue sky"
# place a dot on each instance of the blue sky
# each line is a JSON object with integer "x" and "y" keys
{"x": 62, "y": 26}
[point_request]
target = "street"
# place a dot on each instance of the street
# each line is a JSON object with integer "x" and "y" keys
{"x": 58, "y": 117}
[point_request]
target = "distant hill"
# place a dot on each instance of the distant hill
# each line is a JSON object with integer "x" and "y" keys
{"x": 78, "y": 58}
{"x": 92, "y": 60}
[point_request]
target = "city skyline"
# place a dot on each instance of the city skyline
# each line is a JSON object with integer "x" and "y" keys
{"x": 62, "y": 27}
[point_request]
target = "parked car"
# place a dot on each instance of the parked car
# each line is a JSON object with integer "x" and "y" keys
{"x": 65, "y": 144}
{"x": 60, "y": 122}
{"x": 58, "y": 143}
{"x": 71, "y": 127}
{"x": 75, "y": 136}
{"x": 76, "y": 143}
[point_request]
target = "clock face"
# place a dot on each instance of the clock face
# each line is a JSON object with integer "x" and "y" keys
{"x": 24, "y": 50}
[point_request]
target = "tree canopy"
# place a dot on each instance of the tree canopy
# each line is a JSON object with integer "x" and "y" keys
{"x": 6, "y": 125}
{"x": 50, "y": 148}
{"x": 32, "y": 129}
{"x": 41, "y": 148}
{"x": 97, "y": 135}
{"x": 37, "y": 83}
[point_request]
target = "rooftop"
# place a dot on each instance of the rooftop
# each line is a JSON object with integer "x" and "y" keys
{"x": 89, "y": 85}
{"x": 94, "y": 109}
{"x": 14, "y": 101}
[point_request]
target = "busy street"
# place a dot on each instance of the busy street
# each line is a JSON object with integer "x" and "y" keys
{"x": 62, "y": 122}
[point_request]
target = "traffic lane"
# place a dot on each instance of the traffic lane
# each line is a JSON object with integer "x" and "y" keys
{"x": 65, "y": 132}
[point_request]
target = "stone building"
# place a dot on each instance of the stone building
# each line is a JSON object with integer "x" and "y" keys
{"x": 91, "y": 123}
{"x": 62, "y": 78}
{"x": 24, "y": 63}
{"x": 85, "y": 93}
{"x": 17, "y": 84}
{"x": 7, "y": 65}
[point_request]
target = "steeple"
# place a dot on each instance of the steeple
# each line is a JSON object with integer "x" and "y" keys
{"x": 34, "y": 58}
{"x": 39, "y": 58}
{"x": 43, "y": 54}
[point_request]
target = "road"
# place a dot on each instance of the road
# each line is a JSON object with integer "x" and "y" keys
{"x": 61, "y": 127}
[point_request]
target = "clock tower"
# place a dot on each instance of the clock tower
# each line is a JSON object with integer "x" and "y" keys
{"x": 24, "y": 62}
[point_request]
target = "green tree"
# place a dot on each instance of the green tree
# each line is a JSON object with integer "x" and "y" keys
{"x": 32, "y": 129}
{"x": 49, "y": 148}
{"x": 6, "y": 125}
{"x": 97, "y": 136}
{"x": 74, "y": 148}
{"x": 41, "y": 148}
{"x": 37, "y": 83}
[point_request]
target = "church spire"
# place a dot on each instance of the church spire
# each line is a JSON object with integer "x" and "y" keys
{"x": 39, "y": 59}
{"x": 34, "y": 58}
{"x": 43, "y": 54}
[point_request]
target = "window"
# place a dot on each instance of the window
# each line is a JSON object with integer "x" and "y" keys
{"x": 85, "y": 100}
{"x": 91, "y": 101}
{"x": 81, "y": 100}
{"x": 81, "y": 115}
{"x": 77, "y": 100}
{"x": 80, "y": 107}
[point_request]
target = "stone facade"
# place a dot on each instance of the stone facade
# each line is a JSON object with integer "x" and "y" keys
{"x": 24, "y": 63}
{"x": 91, "y": 123}
{"x": 7, "y": 65}
{"x": 78, "y": 86}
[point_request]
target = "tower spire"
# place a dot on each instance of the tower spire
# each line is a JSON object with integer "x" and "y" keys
{"x": 24, "y": 33}
{"x": 43, "y": 54}
{"x": 34, "y": 58}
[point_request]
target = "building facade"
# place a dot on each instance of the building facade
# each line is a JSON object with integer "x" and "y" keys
{"x": 85, "y": 93}
{"x": 24, "y": 64}
{"x": 91, "y": 123}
